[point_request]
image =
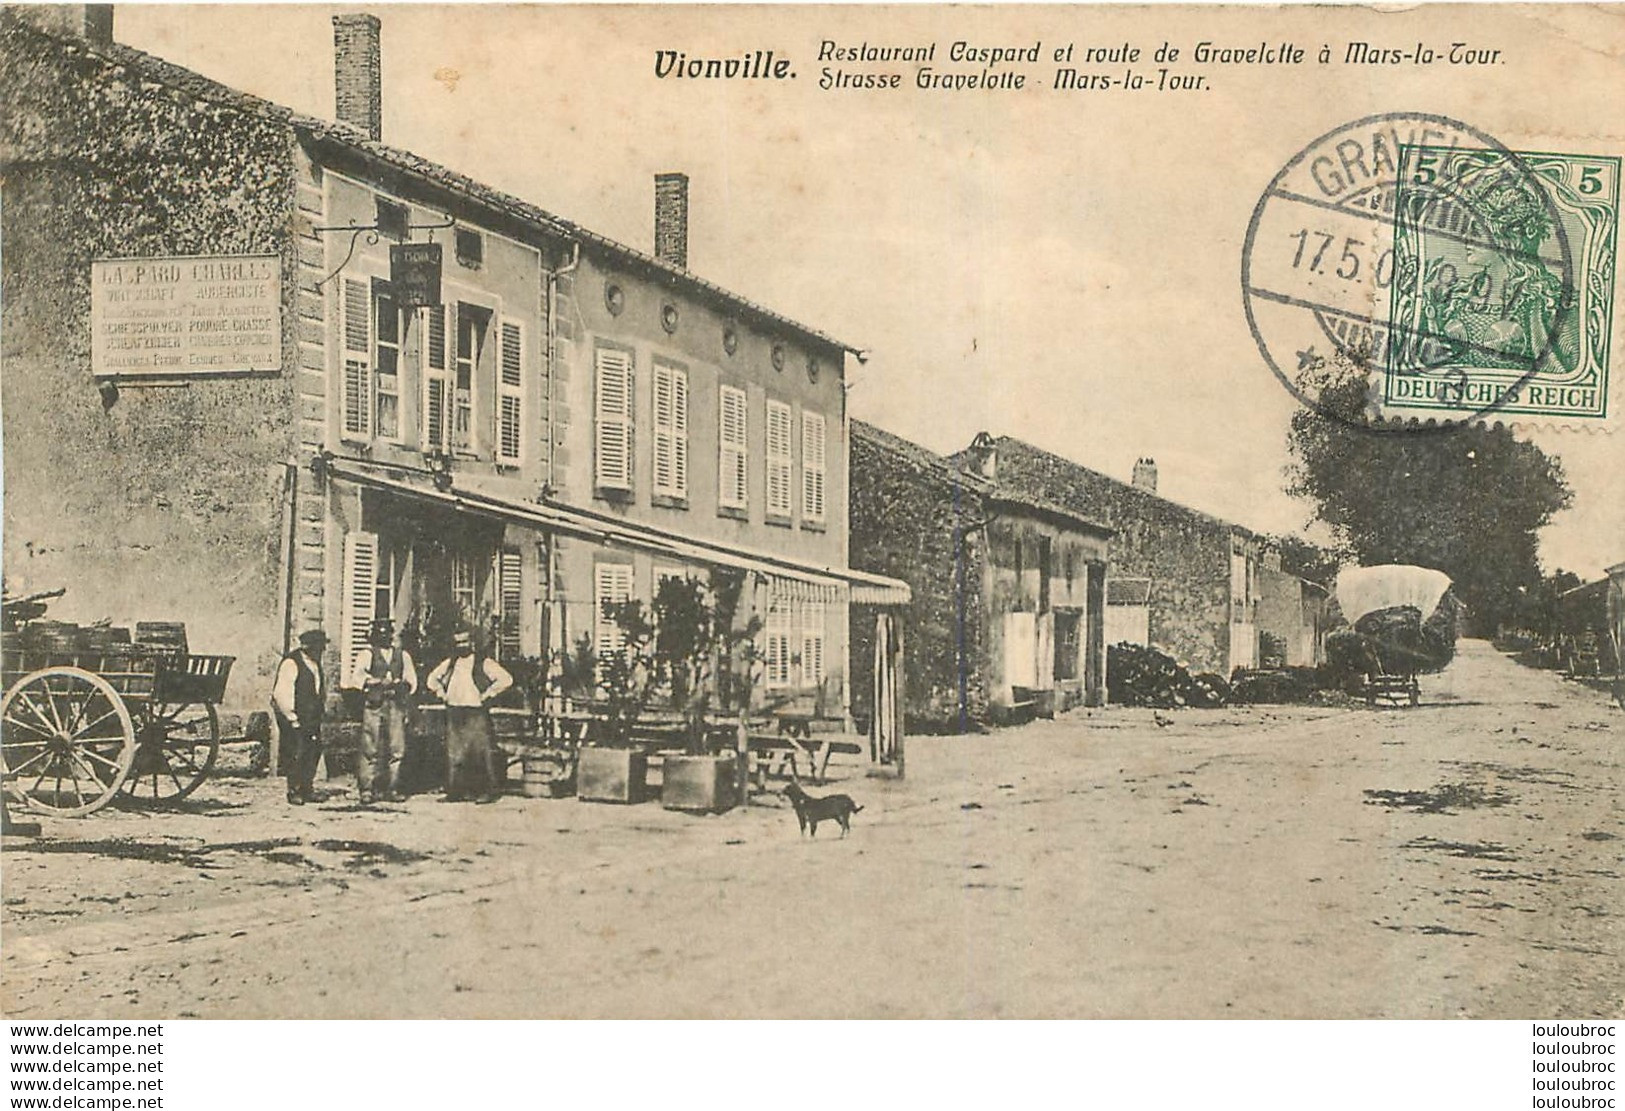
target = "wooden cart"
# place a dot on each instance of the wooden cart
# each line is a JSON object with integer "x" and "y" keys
{"x": 79, "y": 729}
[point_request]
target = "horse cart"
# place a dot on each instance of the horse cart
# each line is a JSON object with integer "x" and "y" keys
{"x": 92, "y": 715}
{"x": 1401, "y": 624}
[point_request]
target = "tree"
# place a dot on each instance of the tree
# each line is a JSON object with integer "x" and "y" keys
{"x": 1464, "y": 498}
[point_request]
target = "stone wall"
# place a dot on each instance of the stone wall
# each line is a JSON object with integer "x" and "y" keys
{"x": 1185, "y": 553}
{"x": 912, "y": 521}
{"x": 156, "y": 503}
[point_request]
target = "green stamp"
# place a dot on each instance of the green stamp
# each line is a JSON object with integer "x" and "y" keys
{"x": 1502, "y": 283}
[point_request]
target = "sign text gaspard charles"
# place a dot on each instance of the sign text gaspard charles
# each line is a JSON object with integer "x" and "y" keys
{"x": 185, "y": 317}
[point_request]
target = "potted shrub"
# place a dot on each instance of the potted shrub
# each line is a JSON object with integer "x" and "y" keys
{"x": 613, "y": 768}
{"x": 697, "y": 642}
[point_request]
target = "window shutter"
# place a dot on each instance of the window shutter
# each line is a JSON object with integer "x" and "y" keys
{"x": 360, "y": 577}
{"x": 670, "y": 430}
{"x": 679, "y": 432}
{"x": 812, "y": 644}
{"x": 778, "y": 458}
{"x": 664, "y": 450}
{"x": 812, "y": 466}
{"x": 612, "y": 583}
{"x": 511, "y": 395}
{"x": 356, "y": 326}
{"x": 613, "y": 423}
{"x": 511, "y": 590}
{"x": 732, "y": 462}
{"x": 434, "y": 379}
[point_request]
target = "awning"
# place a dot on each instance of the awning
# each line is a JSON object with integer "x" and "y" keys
{"x": 866, "y": 588}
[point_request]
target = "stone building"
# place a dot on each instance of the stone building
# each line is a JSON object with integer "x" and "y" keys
{"x": 1008, "y": 609}
{"x": 1292, "y": 616}
{"x": 1179, "y": 580}
{"x": 266, "y": 372}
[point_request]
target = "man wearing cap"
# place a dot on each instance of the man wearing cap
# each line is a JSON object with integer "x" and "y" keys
{"x": 384, "y": 674}
{"x": 468, "y": 682}
{"x": 298, "y": 697}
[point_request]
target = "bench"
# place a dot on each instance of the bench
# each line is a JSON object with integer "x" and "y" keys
{"x": 778, "y": 754}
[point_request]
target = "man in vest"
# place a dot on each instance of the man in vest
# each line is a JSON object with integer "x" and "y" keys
{"x": 468, "y": 682}
{"x": 384, "y": 674}
{"x": 299, "y": 697}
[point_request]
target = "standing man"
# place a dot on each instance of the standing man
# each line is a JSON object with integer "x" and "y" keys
{"x": 468, "y": 682}
{"x": 384, "y": 674}
{"x": 298, "y": 697}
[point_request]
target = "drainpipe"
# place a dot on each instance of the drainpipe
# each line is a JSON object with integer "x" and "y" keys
{"x": 552, "y": 336}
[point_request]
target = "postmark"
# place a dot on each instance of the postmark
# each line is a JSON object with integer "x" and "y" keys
{"x": 1458, "y": 279}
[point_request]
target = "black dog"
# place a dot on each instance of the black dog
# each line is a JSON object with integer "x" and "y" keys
{"x": 811, "y": 810}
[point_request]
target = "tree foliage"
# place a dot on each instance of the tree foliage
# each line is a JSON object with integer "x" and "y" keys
{"x": 1468, "y": 500}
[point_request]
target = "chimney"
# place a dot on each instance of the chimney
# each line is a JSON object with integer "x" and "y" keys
{"x": 91, "y": 22}
{"x": 1145, "y": 475}
{"x": 357, "y": 80}
{"x": 671, "y": 219}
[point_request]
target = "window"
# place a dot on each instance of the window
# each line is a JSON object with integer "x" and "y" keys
{"x": 612, "y": 430}
{"x": 464, "y": 586}
{"x": 778, "y": 459}
{"x": 387, "y": 361}
{"x": 812, "y": 466}
{"x": 670, "y": 431}
{"x": 612, "y": 583}
{"x": 355, "y": 309}
{"x": 733, "y": 458}
{"x": 470, "y": 248}
{"x": 393, "y": 220}
{"x": 511, "y": 395}
{"x": 471, "y": 326}
{"x": 778, "y": 630}
{"x": 383, "y": 584}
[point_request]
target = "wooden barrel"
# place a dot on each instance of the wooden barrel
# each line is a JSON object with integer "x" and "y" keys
{"x": 538, "y": 779}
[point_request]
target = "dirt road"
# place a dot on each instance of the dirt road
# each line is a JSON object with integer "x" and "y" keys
{"x": 1459, "y": 859}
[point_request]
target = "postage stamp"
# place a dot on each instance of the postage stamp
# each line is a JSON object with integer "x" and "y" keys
{"x": 1465, "y": 280}
{"x": 1478, "y": 308}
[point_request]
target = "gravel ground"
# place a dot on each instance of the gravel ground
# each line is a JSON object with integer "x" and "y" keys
{"x": 1460, "y": 859}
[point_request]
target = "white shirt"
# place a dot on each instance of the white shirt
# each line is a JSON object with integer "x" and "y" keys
{"x": 453, "y": 680}
{"x": 287, "y": 674}
{"x": 358, "y": 676}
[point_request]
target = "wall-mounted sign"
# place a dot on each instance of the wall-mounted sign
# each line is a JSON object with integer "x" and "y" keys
{"x": 192, "y": 316}
{"x": 414, "y": 271}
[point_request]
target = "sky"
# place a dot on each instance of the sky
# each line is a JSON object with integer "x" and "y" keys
{"x": 1063, "y": 267}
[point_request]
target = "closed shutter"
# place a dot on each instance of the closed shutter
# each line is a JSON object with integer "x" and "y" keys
{"x": 733, "y": 458}
{"x": 612, "y": 437}
{"x": 779, "y": 628}
{"x": 511, "y": 590}
{"x": 778, "y": 458}
{"x": 812, "y": 466}
{"x": 670, "y": 431}
{"x": 511, "y": 395}
{"x": 435, "y": 383}
{"x": 356, "y": 327}
{"x": 360, "y": 578}
{"x": 812, "y": 643}
{"x": 612, "y": 582}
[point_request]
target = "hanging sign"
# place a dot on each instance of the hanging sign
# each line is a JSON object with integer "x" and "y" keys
{"x": 183, "y": 317}
{"x": 414, "y": 271}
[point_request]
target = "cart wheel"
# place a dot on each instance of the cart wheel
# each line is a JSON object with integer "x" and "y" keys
{"x": 67, "y": 741}
{"x": 177, "y": 750}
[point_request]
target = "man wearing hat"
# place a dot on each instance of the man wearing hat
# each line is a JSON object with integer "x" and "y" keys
{"x": 298, "y": 697}
{"x": 468, "y": 682}
{"x": 384, "y": 674}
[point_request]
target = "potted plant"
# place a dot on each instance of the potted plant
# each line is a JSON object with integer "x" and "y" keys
{"x": 612, "y": 768}
{"x": 697, "y": 647}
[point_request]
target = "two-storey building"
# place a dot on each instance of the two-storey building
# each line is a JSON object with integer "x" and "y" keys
{"x": 447, "y": 405}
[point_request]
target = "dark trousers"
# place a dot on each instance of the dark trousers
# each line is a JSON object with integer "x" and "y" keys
{"x": 470, "y": 753}
{"x": 303, "y": 747}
